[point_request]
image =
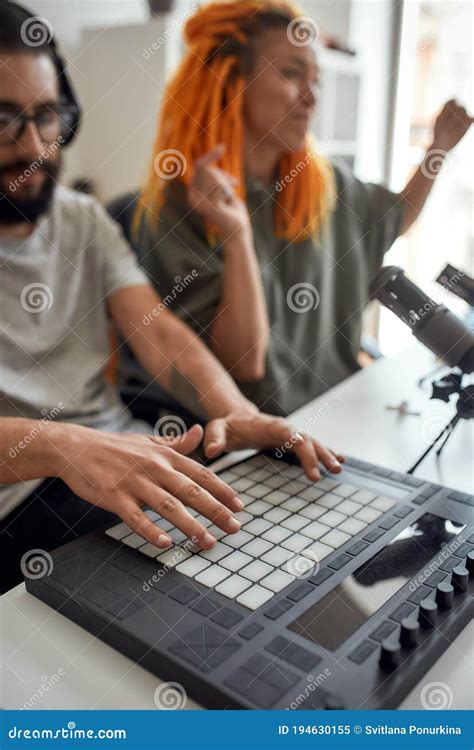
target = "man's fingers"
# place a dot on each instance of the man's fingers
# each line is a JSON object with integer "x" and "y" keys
{"x": 186, "y": 443}
{"x": 211, "y": 482}
{"x": 139, "y": 522}
{"x": 168, "y": 505}
{"x": 306, "y": 452}
{"x": 190, "y": 493}
{"x": 215, "y": 435}
{"x": 327, "y": 457}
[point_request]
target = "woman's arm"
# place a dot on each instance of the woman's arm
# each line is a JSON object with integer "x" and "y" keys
{"x": 239, "y": 333}
{"x": 451, "y": 125}
{"x": 173, "y": 354}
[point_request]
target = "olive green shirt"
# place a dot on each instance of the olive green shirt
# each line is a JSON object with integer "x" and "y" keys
{"x": 315, "y": 291}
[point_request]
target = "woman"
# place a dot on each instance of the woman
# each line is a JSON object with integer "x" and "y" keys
{"x": 250, "y": 233}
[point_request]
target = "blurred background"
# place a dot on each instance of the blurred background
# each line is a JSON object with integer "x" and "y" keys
{"x": 388, "y": 67}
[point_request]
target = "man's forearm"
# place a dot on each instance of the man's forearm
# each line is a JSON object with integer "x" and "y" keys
{"x": 29, "y": 449}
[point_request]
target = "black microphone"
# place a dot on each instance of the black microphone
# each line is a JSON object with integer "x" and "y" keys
{"x": 439, "y": 329}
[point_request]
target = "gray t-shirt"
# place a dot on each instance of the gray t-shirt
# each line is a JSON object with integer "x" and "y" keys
{"x": 315, "y": 292}
{"x": 54, "y": 325}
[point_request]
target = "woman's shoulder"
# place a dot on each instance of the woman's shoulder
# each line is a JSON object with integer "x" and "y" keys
{"x": 343, "y": 175}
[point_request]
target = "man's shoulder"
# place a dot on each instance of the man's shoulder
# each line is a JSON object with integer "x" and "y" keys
{"x": 74, "y": 205}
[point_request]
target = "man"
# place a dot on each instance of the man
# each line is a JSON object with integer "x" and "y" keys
{"x": 64, "y": 271}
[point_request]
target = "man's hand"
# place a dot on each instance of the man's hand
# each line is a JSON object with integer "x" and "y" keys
{"x": 257, "y": 430}
{"x": 122, "y": 473}
{"x": 451, "y": 125}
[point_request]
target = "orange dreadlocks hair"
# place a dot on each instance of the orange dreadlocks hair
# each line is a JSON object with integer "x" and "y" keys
{"x": 203, "y": 106}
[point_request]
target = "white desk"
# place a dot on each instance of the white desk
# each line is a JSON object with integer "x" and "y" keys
{"x": 39, "y": 643}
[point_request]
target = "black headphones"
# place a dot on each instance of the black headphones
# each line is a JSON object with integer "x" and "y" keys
{"x": 20, "y": 16}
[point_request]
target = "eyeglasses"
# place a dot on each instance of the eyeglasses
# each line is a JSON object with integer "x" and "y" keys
{"x": 50, "y": 122}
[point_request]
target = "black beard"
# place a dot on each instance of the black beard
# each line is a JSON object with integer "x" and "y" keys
{"x": 17, "y": 211}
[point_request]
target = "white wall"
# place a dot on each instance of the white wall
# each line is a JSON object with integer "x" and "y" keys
{"x": 119, "y": 78}
{"x": 370, "y": 32}
{"x": 104, "y": 41}
{"x": 69, "y": 17}
{"x": 332, "y": 16}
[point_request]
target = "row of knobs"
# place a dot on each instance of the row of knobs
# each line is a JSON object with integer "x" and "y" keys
{"x": 410, "y": 627}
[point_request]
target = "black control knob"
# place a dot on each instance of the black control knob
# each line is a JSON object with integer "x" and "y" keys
{"x": 409, "y": 632}
{"x": 460, "y": 579}
{"x": 428, "y": 612}
{"x": 470, "y": 562}
{"x": 444, "y": 595}
{"x": 390, "y": 655}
